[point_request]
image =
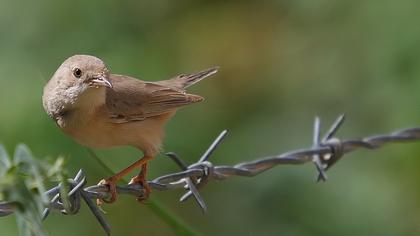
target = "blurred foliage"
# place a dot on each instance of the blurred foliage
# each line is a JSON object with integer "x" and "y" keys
{"x": 22, "y": 184}
{"x": 281, "y": 63}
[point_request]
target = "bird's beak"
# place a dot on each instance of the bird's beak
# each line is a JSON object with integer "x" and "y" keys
{"x": 101, "y": 81}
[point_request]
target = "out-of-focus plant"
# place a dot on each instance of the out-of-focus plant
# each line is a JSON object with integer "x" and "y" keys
{"x": 22, "y": 183}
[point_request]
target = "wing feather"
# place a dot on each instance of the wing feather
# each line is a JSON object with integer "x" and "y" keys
{"x": 135, "y": 100}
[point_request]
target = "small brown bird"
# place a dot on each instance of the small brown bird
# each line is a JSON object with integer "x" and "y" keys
{"x": 103, "y": 110}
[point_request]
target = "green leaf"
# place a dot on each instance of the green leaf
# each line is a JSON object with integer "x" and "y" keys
{"x": 23, "y": 159}
{"x": 22, "y": 183}
{"x": 30, "y": 166}
{"x": 28, "y": 214}
{"x": 4, "y": 160}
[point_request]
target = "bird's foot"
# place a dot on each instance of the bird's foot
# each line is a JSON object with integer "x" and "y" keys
{"x": 111, "y": 183}
{"x": 140, "y": 179}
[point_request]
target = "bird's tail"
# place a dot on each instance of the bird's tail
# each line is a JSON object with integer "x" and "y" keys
{"x": 185, "y": 80}
{"x": 193, "y": 78}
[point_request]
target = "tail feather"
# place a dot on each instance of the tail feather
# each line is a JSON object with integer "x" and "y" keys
{"x": 193, "y": 78}
{"x": 185, "y": 80}
{"x": 194, "y": 98}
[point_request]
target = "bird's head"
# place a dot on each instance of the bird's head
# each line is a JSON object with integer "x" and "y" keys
{"x": 79, "y": 79}
{"x": 82, "y": 72}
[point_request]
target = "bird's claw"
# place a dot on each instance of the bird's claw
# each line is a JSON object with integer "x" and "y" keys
{"x": 140, "y": 179}
{"x": 111, "y": 183}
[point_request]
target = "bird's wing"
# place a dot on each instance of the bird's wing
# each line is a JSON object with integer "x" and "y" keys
{"x": 131, "y": 99}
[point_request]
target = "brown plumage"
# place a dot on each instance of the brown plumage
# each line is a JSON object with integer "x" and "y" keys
{"x": 103, "y": 110}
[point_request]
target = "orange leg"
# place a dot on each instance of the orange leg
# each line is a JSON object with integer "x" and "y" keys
{"x": 111, "y": 181}
{"x": 141, "y": 178}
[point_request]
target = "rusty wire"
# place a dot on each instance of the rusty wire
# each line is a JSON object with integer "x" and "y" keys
{"x": 324, "y": 153}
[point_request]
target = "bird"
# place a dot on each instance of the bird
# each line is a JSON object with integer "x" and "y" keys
{"x": 103, "y": 110}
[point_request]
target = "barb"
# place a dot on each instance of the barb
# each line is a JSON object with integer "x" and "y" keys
{"x": 324, "y": 153}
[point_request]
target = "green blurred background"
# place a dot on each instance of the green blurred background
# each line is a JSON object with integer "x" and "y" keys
{"x": 281, "y": 63}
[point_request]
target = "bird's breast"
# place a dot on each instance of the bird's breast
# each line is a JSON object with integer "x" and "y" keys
{"x": 92, "y": 128}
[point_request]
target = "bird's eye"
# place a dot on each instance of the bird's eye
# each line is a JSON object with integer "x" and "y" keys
{"x": 77, "y": 72}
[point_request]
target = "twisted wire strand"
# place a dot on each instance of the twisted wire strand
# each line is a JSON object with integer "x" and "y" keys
{"x": 324, "y": 153}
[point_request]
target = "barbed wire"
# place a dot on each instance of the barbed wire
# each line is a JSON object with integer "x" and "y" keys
{"x": 324, "y": 153}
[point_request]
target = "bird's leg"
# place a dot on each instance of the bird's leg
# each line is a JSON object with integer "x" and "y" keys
{"x": 111, "y": 181}
{"x": 141, "y": 178}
